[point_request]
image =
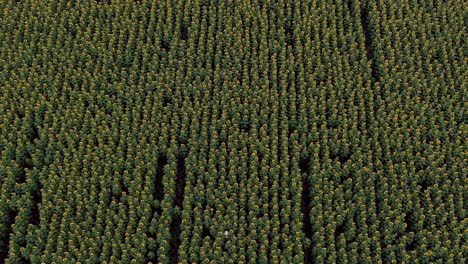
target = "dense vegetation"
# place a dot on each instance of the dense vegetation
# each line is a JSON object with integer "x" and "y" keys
{"x": 240, "y": 131}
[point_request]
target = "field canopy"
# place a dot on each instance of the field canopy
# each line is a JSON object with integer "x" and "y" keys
{"x": 196, "y": 131}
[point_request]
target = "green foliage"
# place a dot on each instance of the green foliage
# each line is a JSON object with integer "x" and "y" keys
{"x": 232, "y": 131}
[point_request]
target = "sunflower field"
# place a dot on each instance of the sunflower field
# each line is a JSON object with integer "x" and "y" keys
{"x": 233, "y": 131}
